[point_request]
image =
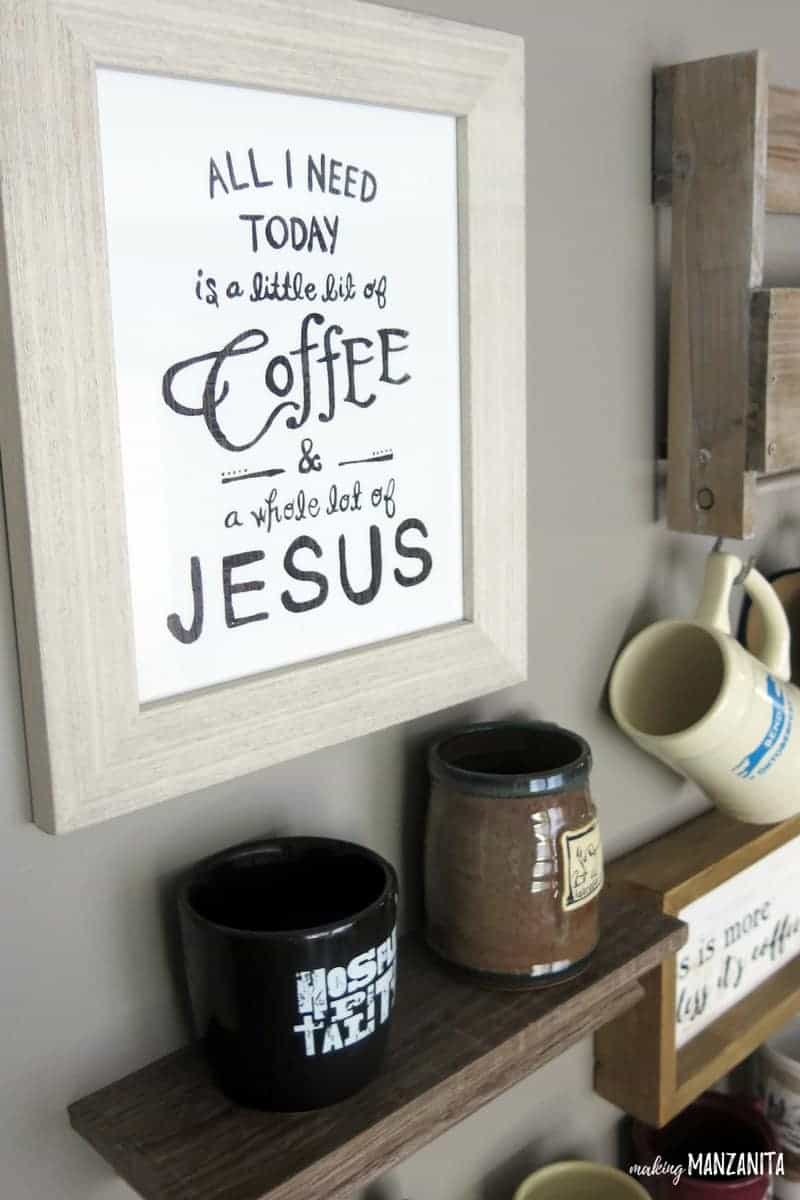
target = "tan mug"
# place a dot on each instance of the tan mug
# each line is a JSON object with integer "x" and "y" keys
{"x": 688, "y": 693}
{"x": 779, "y": 1085}
{"x": 580, "y": 1181}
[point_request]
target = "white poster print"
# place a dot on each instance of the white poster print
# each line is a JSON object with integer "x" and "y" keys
{"x": 284, "y": 294}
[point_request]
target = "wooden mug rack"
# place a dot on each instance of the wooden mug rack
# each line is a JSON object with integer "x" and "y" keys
{"x": 726, "y": 150}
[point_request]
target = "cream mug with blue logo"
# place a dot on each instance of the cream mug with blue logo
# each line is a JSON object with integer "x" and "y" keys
{"x": 688, "y": 693}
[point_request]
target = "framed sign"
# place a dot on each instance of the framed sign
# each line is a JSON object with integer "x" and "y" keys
{"x": 265, "y": 470}
{"x": 740, "y": 934}
{"x": 736, "y": 980}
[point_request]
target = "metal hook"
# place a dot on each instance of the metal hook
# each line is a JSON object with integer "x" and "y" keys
{"x": 747, "y": 567}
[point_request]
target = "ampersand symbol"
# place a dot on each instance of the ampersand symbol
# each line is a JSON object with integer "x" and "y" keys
{"x": 309, "y": 461}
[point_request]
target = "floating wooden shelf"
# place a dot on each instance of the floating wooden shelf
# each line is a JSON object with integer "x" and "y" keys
{"x": 726, "y": 150}
{"x": 171, "y": 1134}
{"x": 638, "y": 1066}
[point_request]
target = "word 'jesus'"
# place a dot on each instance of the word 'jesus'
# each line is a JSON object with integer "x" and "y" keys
{"x": 305, "y": 574}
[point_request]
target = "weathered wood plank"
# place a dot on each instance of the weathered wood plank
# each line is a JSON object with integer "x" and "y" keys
{"x": 635, "y": 1065}
{"x": 173, "y": 1136}
{"x": 719, "y": 113}
{"x": 783, "y": 151}
{"x": 783, "y": 145}
{"x": 690, "y": 861}
{"x": 775, "y": 380}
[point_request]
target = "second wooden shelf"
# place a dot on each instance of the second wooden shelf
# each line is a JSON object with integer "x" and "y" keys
{"x": 172, "y": 1134}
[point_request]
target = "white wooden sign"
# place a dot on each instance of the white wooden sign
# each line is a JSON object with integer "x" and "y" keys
{"x": 284, "y": 298}
{"x": 739, "y": 934}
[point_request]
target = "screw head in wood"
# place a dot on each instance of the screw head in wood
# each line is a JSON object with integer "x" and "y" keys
{"x": 705, "y": 499}
{"x": 681, "y": 163}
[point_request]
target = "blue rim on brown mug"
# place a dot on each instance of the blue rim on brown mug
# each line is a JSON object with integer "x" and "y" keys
{"x": 290, "y": 952}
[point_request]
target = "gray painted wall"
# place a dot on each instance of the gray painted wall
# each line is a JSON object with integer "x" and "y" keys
{"x": 87, "y": 969}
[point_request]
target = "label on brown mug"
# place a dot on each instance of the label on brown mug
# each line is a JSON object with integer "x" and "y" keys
{"x": 581, "y": 865}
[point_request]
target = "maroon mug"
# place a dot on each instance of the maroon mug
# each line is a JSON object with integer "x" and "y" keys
{"x": 715, "y": 1124}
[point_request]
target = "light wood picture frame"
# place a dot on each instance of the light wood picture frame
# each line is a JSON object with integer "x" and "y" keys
{"x": 94, "y": 750}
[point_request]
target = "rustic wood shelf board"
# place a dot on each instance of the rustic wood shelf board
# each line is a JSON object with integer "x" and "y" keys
{"x": 726, "y": 150}
{"x": 719, "y": 163}
{"x": 783, "y": 145}
{"x": 690, "y": 860}
{"x": 173, "y": 1136}
{"x": 638, "y": 1065}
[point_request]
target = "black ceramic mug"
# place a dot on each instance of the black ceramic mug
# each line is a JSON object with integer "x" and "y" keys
{"x": 290, "y": 952}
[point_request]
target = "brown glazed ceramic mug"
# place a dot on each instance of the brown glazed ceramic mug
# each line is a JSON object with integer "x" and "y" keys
{"x": 513, "y": 861}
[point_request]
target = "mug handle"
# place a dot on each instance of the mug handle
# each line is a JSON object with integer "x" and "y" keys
{"x": 722, "y": 571}
{"x": 777, "y": 634}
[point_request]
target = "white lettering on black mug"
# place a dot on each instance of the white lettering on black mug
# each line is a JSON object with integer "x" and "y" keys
{"x": 688, "y": 693}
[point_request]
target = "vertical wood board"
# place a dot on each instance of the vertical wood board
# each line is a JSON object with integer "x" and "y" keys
{"x": 719, "y": 111}
{"x": 635, "y": 1066}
